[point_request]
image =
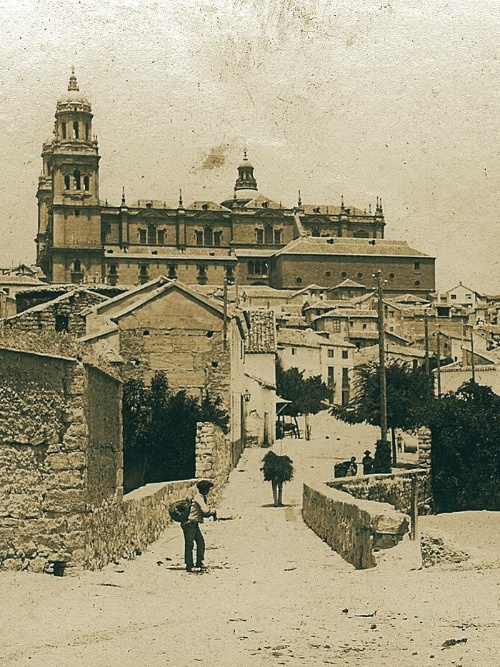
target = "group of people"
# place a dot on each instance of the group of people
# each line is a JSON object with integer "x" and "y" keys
{"x": 350, "y": 468}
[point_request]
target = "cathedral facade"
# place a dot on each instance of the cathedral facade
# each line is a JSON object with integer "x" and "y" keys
{"x": 249, "y": 238}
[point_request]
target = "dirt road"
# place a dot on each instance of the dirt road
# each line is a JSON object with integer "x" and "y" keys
{"x": 274, "y": 595}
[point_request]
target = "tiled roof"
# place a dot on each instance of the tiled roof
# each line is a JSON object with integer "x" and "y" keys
{"x": 262, "y": 332}
{"x": 308, "y": 338}
{"x": 312, "y": 245}
{"x": 371, "y": 353}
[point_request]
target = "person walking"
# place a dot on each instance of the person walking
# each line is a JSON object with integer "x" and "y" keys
{"x": 277, "y": 470}
{"x": 191, "y": 527}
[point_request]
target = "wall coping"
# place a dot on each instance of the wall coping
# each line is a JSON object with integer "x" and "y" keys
{"x": 149, "y": 490}
{"x": 32, "y": 353}
{"x": 342, "y": 481}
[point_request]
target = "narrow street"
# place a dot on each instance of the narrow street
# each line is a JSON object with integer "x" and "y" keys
{"x": 274, "y": 594}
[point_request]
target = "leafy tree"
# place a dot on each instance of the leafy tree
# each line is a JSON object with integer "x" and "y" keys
{"x": 465, "y": 462}
{"x": 159, "y": 431}
{"x": 409, "y": 391}
{"x": 307, "y": 395}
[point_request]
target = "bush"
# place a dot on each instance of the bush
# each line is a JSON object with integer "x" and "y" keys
{"x": 382, "y": 459}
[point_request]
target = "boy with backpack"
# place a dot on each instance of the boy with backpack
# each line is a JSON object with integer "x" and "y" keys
{"x": 190, "y": 516}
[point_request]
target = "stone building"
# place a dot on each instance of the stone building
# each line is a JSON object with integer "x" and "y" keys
{"x": 248, "y": 237}
{"x": 166, "y": 326}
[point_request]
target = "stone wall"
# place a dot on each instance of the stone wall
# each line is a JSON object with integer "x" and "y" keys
{"x": 214, "y": 457}
{"x": 46, "y": 458}
{"x": 64, "y": 311}
{"x": 424, "y": 448}
{"x": 394, "y": 488}
{"x": 354, "y": 528}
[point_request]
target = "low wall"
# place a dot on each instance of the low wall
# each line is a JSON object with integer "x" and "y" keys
{"x": 124, "y": 529}
{"x": 354, "y": 528}
{"x": 393, "y": 488}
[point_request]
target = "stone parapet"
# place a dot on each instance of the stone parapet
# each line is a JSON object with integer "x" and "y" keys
{"x": 356, "y": 529}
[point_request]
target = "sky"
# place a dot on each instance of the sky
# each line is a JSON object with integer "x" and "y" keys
{"x": 358, "y": 98}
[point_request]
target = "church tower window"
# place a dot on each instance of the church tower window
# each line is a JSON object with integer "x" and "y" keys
{"x": 66, "y": 182}
{"x": 63, "y": 129}
{"x": 76, "y": 130}
{"x": 77, "y": 179}
{"x": 87, "y": 131}
{"x": 86, "y": 183}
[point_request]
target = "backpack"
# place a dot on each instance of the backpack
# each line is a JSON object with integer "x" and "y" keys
{"x": 179, "y": 511}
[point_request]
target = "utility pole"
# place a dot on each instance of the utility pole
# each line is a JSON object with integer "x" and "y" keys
{"x": 224, "y": 332}
{"x": 426, "y": 338}
{"x": 473, "y": 366}
{"x": 438, "y": 360}
{"x": 381, "y": 356}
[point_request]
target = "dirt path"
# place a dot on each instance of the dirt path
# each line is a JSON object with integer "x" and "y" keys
{"x": 274, "y": 595}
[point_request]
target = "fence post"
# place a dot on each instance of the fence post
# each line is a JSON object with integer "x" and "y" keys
{"x": 414, "y": 509}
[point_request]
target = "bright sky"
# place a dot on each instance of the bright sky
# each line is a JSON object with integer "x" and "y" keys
{"x": 355, "y": 97}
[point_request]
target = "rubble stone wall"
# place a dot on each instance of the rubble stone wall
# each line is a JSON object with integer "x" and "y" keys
{"x": 43, "y": 317}
{"x": 214, "y": 457}
{"x": 353, "y": 528}
{"x": 394, "y": 488}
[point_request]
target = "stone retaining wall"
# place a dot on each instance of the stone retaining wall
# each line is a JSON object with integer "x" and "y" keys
{"x": 394, "y": 488}
{"x": 214, "y": 458}
{"x": 354, "y": 528}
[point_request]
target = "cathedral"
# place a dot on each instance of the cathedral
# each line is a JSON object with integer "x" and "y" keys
{"x": 248, "y": 238}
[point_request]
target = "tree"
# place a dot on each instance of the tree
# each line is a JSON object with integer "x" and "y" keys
{"x": 159, "y": 431}
{"x": 465, "y": 462}
{"x": 307, "y": 395}
{"x": 409, "y": 391}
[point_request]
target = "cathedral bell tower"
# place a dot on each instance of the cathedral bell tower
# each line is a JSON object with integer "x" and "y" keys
{"x": 69, "y": 215}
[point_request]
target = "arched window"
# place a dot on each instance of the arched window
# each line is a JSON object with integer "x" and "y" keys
{"x": 63, "y": 129}
{"x": 268, "y": 234}
{"x": 315, "y": 232}
{"x": 76, "y": 130}
{"x": 77, "y": 266}
{"x": 77, "y": 272}
{"x": 87, "y": 131}
{"x": 209, "y": 236}
{"x": 151, "y": 235}
{"x": 86, "y": 183}
{"x": 66, "y": 182}
{"x": 77, "y": 179}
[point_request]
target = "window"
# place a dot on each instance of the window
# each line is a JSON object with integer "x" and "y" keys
{"x": 77, "y": 180}
{"x": 336, "y": 326}
{"x": 328, "y": 274}
{"x": 268, "y": 234}
{"x": 345, "y": 378}
{"x": 161, "y": 236}
{"x": 343, "y": 274}
{"x": 86, "y": 183}
{"x": 345, "y": 354}
{"x": 416, "y": 266}
{"x": 209, "y": 236}
{"x": 298, "y": 280}
{"x": 265, "y": 268}
{"x": 63, "y": 128}
{"x": 277, "y": 236}
{"x": 62, "y": 322}
{"x": 66, "y": 182}
{"x": 331, "y": 376}
{"x": 143, "y": 273}
{"x": 87, "y": 131}
{"x": 391, "y": 276}
{"x": 229, "y": 274}
{"x": 331, "y": 352}
{"x": 113, "y": 274}
{"x": 199, "y": 238}
{"x": 315, "y": 232}
{"x": 172, "y": 271}
{"x": 217, "y": 239}
{"x": 417, "y": 283}
{"x": 76, "y": 130}
{"x": 364, "y": 326}
{"x": 361, "y": 234}
{"x": 142, "y": 236}
{"x": 360, "y": 275}
{"x": 259, "y": 233}
{"x": 202, "y": 275}
{"x": 77, "y": 213}
{"x": 251, "y": 268}
{"x": 468, "y": 296}
{"x": 294, "y": 351}
{"x": 151, "y": 235}
{"x": 453, "y": 296}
